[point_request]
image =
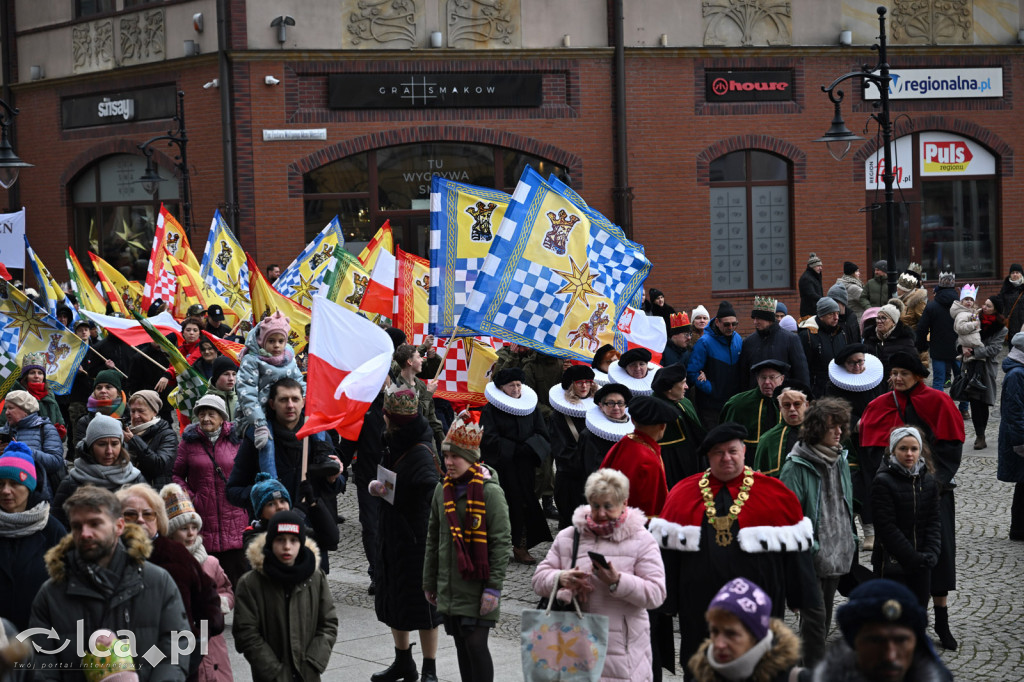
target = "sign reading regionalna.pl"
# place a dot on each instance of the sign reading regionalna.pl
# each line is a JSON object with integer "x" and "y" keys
{"x": 964, "y": 83}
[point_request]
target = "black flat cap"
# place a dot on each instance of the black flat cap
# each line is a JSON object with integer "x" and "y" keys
{"x": 648, "y": 410}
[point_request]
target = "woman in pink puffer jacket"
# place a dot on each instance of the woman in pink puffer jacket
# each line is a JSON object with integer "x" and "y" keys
{"x": 206, "y": 455}
{"x": 633, "y": 583}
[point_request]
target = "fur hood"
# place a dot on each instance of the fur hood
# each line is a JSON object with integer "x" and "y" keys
{"x": 635, "y": 523}
{"x": 193, "y": 434}
{"x": 840, "y": 665}
{"x": 914, "y": 297}
{"x": 784, "y": 654}
{"x": 255, "y": 551}
{"x": 134, "y": 539}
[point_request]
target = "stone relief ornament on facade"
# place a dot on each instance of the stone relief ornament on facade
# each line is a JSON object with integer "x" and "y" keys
{"x": 383, "y": 22}
{"x": 747, "y": 22}
{"x": 142, "y": 37}
{"x": 92, "y": 46}
{"x": 933, "y": 22}
{"x": 481, "y": 23}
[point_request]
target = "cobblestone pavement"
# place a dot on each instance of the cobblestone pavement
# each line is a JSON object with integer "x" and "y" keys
{"x": 985, "y": 612}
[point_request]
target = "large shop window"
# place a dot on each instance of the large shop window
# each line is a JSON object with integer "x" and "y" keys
{"x": 393, "y": 183}
{"x": 114, "y": 217}
{"x": 750, "y": 221}
{"x": 947, "y": 205}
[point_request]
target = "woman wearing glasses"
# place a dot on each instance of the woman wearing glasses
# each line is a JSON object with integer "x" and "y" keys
{"x": 101, "y": 460}
{"x": 606, "y": 423}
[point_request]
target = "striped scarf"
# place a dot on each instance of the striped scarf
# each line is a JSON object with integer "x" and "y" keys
{"x": 471, "y": 543}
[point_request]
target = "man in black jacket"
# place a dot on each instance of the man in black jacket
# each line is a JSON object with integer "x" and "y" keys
{"x": 771, "y": 342}
{"x": 810, "y": 286}
{"x": 935, "y": 332}
{"x": 821, "y": 340}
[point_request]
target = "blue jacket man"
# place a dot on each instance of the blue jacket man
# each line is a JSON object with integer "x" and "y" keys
{"x": 717, "y": 357}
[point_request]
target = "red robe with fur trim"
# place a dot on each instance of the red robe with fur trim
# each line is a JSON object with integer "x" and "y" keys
{"x": 638, "y": 456}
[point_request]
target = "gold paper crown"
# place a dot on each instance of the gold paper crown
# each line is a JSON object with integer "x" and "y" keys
{"x": 765, "y": 304}
{"x": 915, "y": 267}
{"x": 401, "y": 401}
{"x": 37, "y": 359}
{"x": 907, "y": 281}
{"x": 464, "y": 433}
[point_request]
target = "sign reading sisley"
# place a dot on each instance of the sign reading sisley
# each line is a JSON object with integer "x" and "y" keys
{"x": 431, "y": 91}
{"x": 749, "y": 86}
{"x": 965, "y": 83}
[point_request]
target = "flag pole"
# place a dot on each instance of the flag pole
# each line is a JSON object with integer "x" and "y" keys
{"x": 162, "y": 368}
{"x": 105, "y": 360}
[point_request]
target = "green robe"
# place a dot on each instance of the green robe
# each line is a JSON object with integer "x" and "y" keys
{"x": 754, "y": 411}
{"x": 680, "y": 442}
{"x": 775, "y": 444}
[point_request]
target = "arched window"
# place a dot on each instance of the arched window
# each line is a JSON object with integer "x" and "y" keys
{"x": 947, "y": 212}
{"x": 750, "y": 221}
{"x": 114, "y": 217}
{"x": 393, "y": 183}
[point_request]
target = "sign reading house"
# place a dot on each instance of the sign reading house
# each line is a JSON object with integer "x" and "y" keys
{"x": 118, "y": 107}
{"x": 430, "y": 91}
{"x": 749, "y": 86}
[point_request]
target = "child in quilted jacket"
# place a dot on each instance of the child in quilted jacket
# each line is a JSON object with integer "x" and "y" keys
{"x": 267, "y": 357}
{"x": 965, "y": 320}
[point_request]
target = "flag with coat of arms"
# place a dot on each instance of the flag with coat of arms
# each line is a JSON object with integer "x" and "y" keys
{"x": 556, "y": 278}
{"x": 161, "y": 281}
{"x": 225, "y": 267}
{"x": 300, "y": 281}
{"x": 266, "y": 300}
{"x": 123, "y": 295}
{"x": 346, "y": 281}
{"x": 88, "y": 297}
{"x": 26, "y": 328}
{"x": 464, "y": 220}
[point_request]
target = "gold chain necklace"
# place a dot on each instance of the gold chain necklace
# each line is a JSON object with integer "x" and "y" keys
{"x": 723, "y": 524}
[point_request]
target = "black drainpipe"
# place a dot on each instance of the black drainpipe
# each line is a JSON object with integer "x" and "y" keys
{"x": 6, "y": 53}
{"x": 226, "y": 117}
{"x": 622, "y": 192}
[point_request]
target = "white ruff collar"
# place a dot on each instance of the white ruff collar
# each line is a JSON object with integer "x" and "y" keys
{"x": 559, "y": 403}
{"x": 618, "y": 375}
{"x": 523, "y": 405}
{"x": 603, "y": 427}
{"x": 600, "y": 378}
{"x": 858, "y": 383}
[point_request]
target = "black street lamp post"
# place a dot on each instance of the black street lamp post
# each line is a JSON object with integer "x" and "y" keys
{"x": 10, "y": 164}
{"x": 839, "y": 138}
{"x": 151, "y": 179}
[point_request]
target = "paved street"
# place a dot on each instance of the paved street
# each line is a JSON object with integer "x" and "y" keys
{"x": 985, "y": 611}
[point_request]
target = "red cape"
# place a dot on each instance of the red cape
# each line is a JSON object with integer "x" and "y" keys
{"x": 935, "y": 408}
{"x": 770, "y": 503}
{"x": 638, "y": 456}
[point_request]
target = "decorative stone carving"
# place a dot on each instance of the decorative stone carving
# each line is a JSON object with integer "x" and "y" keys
{"x": 383, "y": 22}
{"x": 92, "y": 46}
{"x": 143, "y": 37}
{"x": 481, "y": 23}
{"x": 933, "y": 22}
{"x": 747, "y": 22}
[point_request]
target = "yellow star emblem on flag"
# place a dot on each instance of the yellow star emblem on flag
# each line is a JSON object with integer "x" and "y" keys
{"x": 305, "y": 289}
{"x": 25, "y": 317}
{"x": 578, "y": 283}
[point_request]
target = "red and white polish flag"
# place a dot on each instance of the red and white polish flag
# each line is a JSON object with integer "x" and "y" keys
{"x": 643, "y": 331}
{"x": 130, "y": 331}
{"x": 379, "y": 297}
{"x": 349, "y": 359}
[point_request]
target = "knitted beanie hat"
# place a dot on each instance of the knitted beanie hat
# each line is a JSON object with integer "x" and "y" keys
{"x": 813, "y": 261}
{"x": 17, "y": 464}
{"x": 103, "y": 426}
{"x": 890, "y": 311}
{"x": 222, "y": 364}
{"x": 839, "y": 294}
{"x": 850, "y": 268}
{"x": 265, "y": 489}
{"x": 108, "y": 376}
{"x": 825, "y": 306}
{"x": 180, "y": 510}
{"x": 748, "y": 602}
{"x": 24, "y": 400}
{"x": 277, "y": 323}
{"x": 285, "y": 522}
{"x": 151, "y": 398}
{"x": 699, "y": 311}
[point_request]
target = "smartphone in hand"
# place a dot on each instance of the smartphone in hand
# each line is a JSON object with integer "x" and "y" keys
{"x": 599, "y": 559}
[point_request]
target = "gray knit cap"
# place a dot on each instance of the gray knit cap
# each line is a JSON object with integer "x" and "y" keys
{"x": 103, "y": 426}
{"x": 826, "y": 305}
{"x": 839, "y": 294}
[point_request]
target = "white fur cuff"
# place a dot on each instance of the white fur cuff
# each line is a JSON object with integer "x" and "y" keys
{"x": 671, "y": 535}
{"x": 795, "y": 538}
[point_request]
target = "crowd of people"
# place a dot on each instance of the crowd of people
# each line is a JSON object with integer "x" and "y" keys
{"x": 706, "y": 487}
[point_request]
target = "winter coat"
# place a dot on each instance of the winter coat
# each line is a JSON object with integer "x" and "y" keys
{"x": 195, "y": 471}
{"x": 457, "y": 596}
{"x": 635, "y": 555}
{"x": 216, "y": 665}
{"x": 1011, "y": 423}
{"x": 255, "y": 377}
{"x": 87, "y": 472}
{"x": 1013, "y": 305}
{"x": 935, "y": 328}
{"x": 718, "y": 356}
{"x": 914, "y": 303}
{"x": 48, "y": 406}
{"x": 907, "y": 527}
{"x": 198, "y": 592}
{"x": 821, "y": 345}
{"x": 40, "y": 435}
{"x": 144, "y": 374}
{"x": 803, "y": 478}
{"x": 675, "y": 355}
{"x": 966, "y": 326}
{"x": 986, "y": 362}
{"x": 427, "y": 409}
{"x": 775, "y": 343}
{"x": 774, "y": 666}
{"x": 145, "y": 601}
{"x": 22, "y": 569}
{"x": 900, "y": 339}
{"x": 810, "y": 292}
{"x": 876, "y": 293}
{"x": 854, "y": 292}
{"x": 154, "y": 452}
{"x": 271, "y": 617}
{"x": 402, "y": 531}
{"x": 840, "y": 665}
